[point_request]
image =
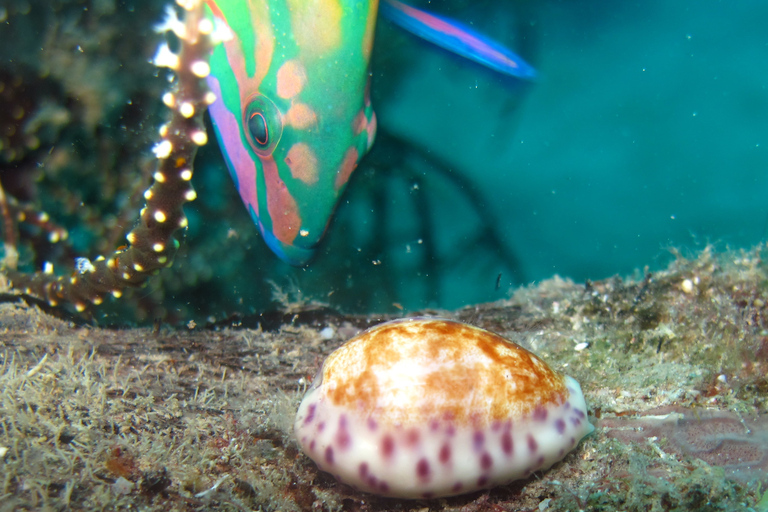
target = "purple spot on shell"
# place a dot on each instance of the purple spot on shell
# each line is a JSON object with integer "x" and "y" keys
{"x": 383, "y": 486}
{"x": 412, "y": 437}
{"x": 362, "y": 470}
{"x": 445, "y": 453}
{"x": 576, "y": 422}
{"x": 457, "y": 487}
{"x": 434, "y": 425}
{"x": 320, "y": 426}
{"x": 496, "y": 426}
{"x": 478, "y": 439}
{"x": 372, "y": 481}
{"x": 329, "y": 455}
{"x": 372, "y": 425}
{"x": 579, "y": 413}
{"x": 343, "y": 439}
{"x": 540, "y": 413}
{"x": 560, "y": 426}
{"x": 450, "y": 430}
{"x": 567, "y": 405}
{"x": 532, "y": 444}
{"x": 486, "y": 461}
{"x": 387, "y": 446}
{"x": 422, "y": 469}
{"x": 540, "y": 462}
{"x": 310, "y": 414}
{"x": 312, "y": 445}
{"x": 427, "y": 495}
{"x": 506, "y": 443}
{"x": 573, "y": 441}
{"x": 482, "y": 481}
{"x": 561, "y": 453}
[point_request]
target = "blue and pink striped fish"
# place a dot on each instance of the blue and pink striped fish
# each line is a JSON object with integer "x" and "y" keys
{"x": 294, "y": 116}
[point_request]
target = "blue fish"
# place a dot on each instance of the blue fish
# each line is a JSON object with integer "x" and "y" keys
{"x": 458, "y": 39}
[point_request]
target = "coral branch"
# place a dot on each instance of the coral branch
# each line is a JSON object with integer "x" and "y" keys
{"x": 151, "y": 243}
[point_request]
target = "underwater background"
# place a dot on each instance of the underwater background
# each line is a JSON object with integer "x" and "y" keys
{"x": 645, "y": 132}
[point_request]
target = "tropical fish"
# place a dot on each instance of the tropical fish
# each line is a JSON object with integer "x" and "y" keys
{"x": 458, "y": 39}
{"x": 294, "y": 114}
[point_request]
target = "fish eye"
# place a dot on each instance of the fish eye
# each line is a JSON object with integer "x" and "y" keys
{"x": 258, "y": 127}
{"x": 263, "y": 124}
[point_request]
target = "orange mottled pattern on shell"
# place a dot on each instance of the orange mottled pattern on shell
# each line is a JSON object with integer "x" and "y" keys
{"x": 410, "y": 373}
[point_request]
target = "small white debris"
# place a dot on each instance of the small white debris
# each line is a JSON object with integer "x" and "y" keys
{"x": 687, "y": 286}
{"x": 162, "y": 150}
{"x": 722, "y": 378}
{"x": 3, "y": 451}
{"x": 544, "y": 505}
{"x": 122, "y": 486}
{"x": 37, "y": 367}
{"x": 581, "y": 346}
{"x": 221, "y": 32}
{"x": 171, "y": 23}
{"x": 327, "y": 333}
{"x": 83, "y": 265}
{"x": 165, "y": 58}
{"x": 213, "y": 488}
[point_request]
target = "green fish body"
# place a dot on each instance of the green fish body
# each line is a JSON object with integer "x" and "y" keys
{"x": 294, "y": 114}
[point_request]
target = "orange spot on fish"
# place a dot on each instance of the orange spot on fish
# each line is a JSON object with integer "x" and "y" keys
{"x": 300, "y": 116}
{"x": 291, "y": 79}
{"x": 360, "y": 123}
{"x": 345, "y": 169}
{"x": 303, "y": 163}
{"x": 281, "y": 205}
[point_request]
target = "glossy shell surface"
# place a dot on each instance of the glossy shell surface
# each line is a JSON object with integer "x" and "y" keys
{"x": 423, "y": 408}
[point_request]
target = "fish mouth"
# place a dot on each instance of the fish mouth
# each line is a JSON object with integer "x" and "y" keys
{"x": 294, "y": 255}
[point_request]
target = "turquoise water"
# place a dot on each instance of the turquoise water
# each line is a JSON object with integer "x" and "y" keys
{"x": 647, "y": 130}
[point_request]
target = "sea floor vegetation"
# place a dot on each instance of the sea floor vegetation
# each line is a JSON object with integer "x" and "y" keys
{"x": 673, "y": 365}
